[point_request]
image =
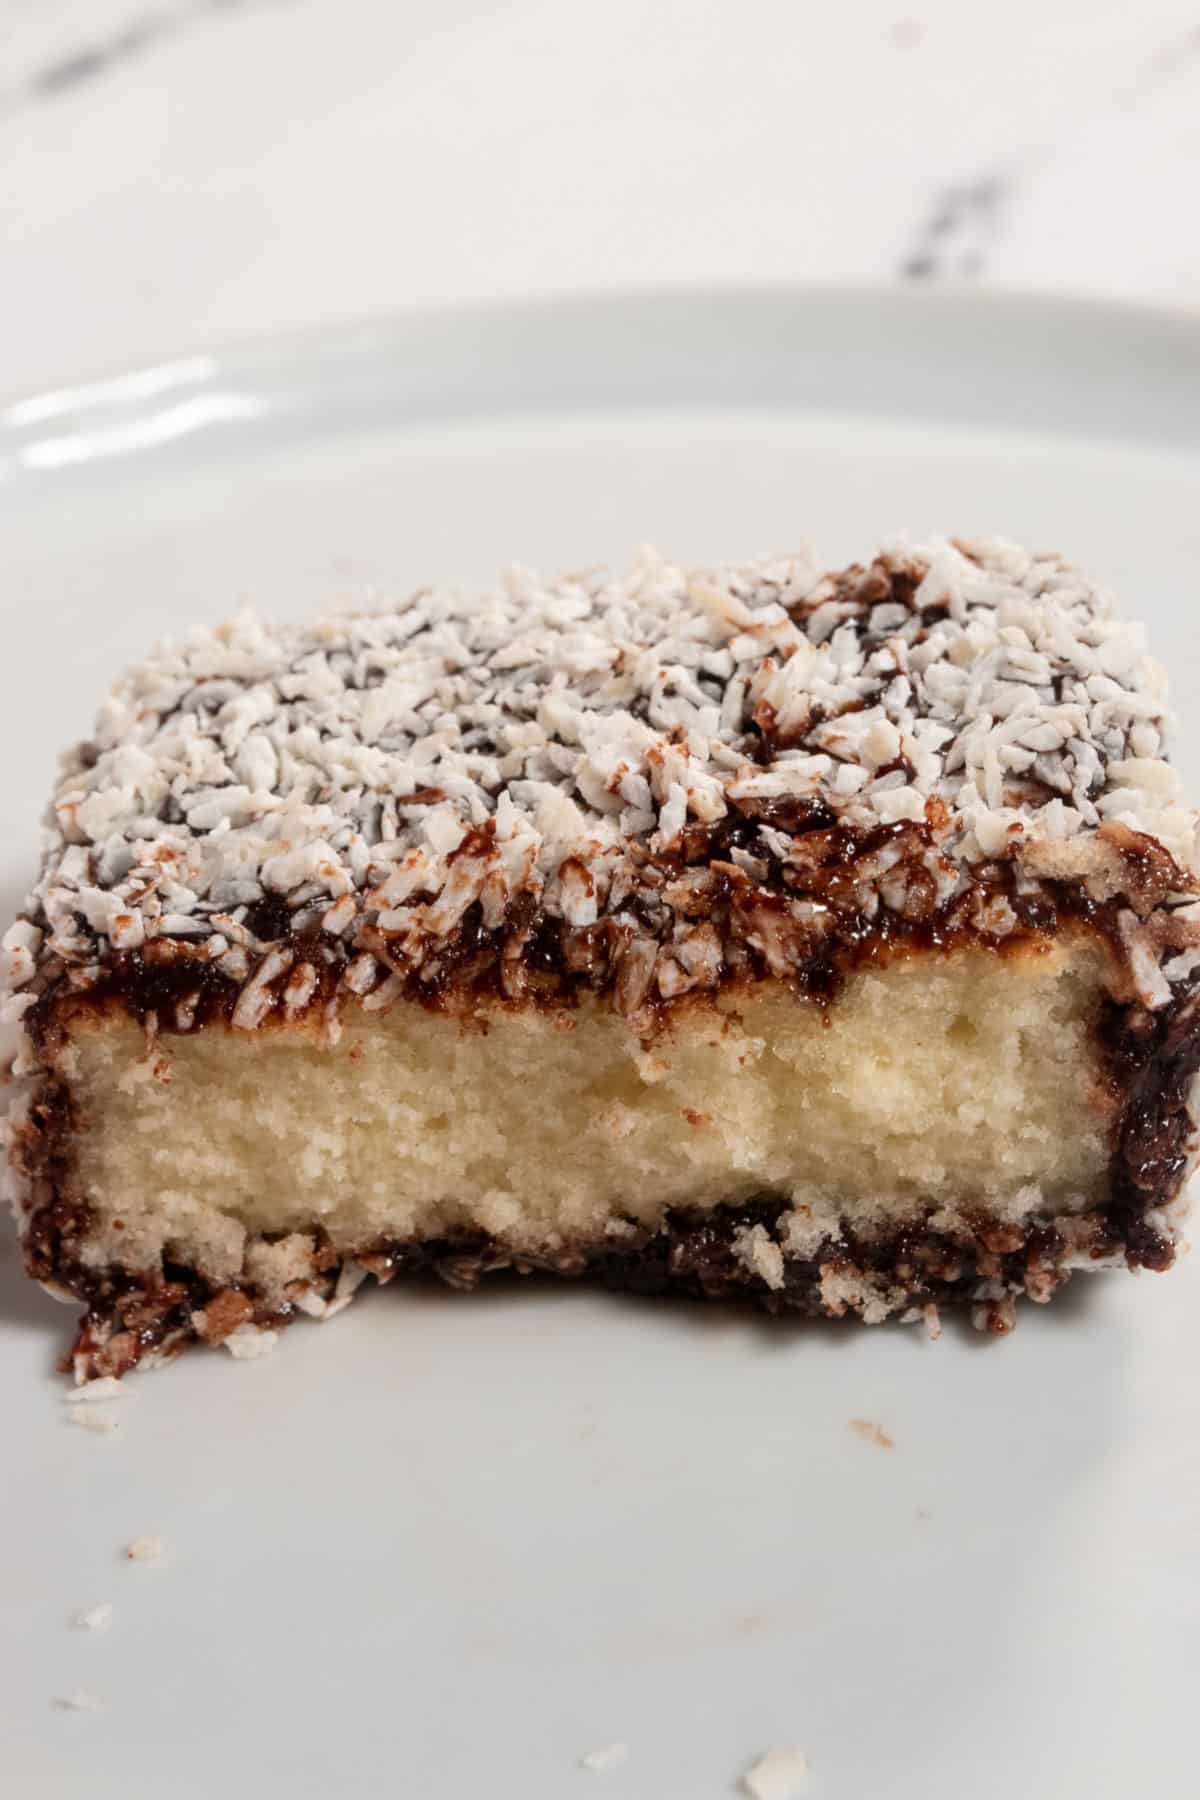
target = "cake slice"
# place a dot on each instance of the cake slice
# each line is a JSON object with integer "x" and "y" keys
{"x": 830, "y": 939}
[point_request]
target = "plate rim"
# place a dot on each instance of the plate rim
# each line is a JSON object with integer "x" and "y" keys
{"x": 1105, "y": 351}
{"x": 954, "y": 294}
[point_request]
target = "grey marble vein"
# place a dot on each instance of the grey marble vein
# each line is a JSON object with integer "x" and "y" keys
{"x": 85, "y": 63}
{"x": 962, "y": 222}
{"x": 964, "y": 219}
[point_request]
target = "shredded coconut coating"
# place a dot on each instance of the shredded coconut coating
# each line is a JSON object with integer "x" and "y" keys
{"x": 542, "y": 752}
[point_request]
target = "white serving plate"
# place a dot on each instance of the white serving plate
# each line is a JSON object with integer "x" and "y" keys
{"x": 443, "y": 1546}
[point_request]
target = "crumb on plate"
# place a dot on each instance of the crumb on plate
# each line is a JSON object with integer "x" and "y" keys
{"x": 609, "y": 1756}
{"x": 97, "y": 1618}
{"x": 144, "y": 1549}
{"x": 871, "y": 1433}
{"x": 779, "y": 1775}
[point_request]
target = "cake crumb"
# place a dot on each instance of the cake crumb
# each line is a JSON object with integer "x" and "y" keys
{"x": 144, "y": 1549}
{"x": 97, "y": 1618}
{"x": 105, "y": 1387}
{"x": 607, "y": 1757}
{"x": 80, "y": 1701}
{"x": 225, "y": 1313}
{"x": 610, "y": 1756}
{"x": 871, "y": 1433}
{"x": 760, "y": 1255}
{"x": 250, "y": 1340}
{"x": 997, "y": 1317}
{"x": 90, "y": 1420}
{"x": 779, "y": 1775}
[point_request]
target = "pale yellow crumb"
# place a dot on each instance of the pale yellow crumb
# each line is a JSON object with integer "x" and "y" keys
{"x": 144, "y": 1549}
{"x": 871, "y": 1433}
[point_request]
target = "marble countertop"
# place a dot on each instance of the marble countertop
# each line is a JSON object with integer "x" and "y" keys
{"x": 173, "y": 172}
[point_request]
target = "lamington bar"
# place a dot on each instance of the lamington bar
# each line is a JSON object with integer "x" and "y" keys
{"x": 827, "y": 938}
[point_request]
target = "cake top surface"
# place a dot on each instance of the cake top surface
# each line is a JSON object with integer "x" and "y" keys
{"x": 590, "y": 749}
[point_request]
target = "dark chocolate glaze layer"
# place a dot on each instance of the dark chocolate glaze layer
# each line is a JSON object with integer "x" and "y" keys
{"x": 1152, "y": 1059}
